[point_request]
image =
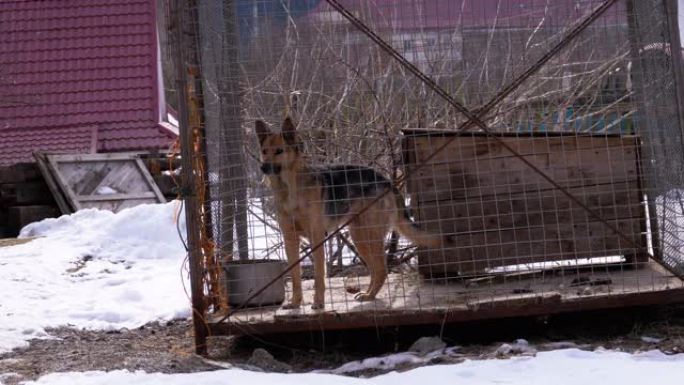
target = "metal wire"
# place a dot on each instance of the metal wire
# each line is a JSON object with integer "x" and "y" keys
{"x": 472, "y": 119}
{"x": 476, "y": 118}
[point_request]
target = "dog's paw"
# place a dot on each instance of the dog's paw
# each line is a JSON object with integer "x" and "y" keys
{"x": 317, "y": 306}
{"x": 363, "y": 297}
{"x": 291, "y": 306}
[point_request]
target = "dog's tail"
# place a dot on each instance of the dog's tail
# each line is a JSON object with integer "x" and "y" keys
{"x": 409, "y": 229}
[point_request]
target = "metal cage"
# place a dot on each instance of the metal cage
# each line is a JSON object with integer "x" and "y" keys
{"x": 540, "y": 140}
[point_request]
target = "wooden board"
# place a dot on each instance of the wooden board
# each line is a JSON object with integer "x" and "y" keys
{"x": 502, "y": 212}
{"x": 53, "y": 186}
{"x": 106, "y": 181}
{"x": 22, "y": 172}
{"x": 408, "y": 299}
{"x": 25, "y": 193}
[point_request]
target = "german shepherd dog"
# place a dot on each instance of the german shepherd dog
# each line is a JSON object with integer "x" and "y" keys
{"x": 311, "y": 201}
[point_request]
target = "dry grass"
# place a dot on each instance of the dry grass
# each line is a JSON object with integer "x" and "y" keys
{"x": 5, "y": 242}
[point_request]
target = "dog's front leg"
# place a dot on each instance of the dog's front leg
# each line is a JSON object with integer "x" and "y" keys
{"x": 317, "y": 237}
{"x": 291, "y": 240}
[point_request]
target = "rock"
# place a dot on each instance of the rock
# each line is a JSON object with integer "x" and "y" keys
{"x": 560, "y": 345}
{"x": 261, "y": 358}
{"x": 503, "y": 350}
{"x": 11, "y": 378}
{"x": 587, "y": 290}
{"x": 651, "y": 340}
{"x": 519, "y": 347}
{"x": 425, "y": 345}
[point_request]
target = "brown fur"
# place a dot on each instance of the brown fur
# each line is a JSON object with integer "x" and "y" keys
{"x": 301, "y": 213}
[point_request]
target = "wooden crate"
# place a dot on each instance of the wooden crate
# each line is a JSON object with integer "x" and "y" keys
{"x": 503, "y": 213}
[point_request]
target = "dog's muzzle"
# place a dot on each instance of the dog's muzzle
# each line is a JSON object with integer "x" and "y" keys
{"x": 270, "y": 168}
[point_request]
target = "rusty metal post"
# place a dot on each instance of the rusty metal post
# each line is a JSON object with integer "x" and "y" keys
{"x": 185, "y": 51}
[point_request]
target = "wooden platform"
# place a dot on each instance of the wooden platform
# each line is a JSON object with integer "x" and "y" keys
{"x": 406, "y": 299}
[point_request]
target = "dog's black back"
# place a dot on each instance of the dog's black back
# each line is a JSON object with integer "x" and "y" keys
{"x": 343, "y": 184}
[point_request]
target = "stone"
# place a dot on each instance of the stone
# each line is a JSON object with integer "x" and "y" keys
{"x": 262, "y": 359}
{"x": 651, "y": 340}
{"x": 519, "y": 347}
{"x": 425, "y": 345}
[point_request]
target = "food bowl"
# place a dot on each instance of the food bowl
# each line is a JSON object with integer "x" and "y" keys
{"x": 244, "y": 278}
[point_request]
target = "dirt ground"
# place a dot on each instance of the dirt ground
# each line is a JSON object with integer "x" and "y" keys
{"x": 167, "y": 347}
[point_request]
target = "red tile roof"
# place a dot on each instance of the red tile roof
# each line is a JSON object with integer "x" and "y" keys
{"x": 72, "y": 72}
{"x": 17, "y": 145}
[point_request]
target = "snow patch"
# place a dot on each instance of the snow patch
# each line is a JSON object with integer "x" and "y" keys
{"x": 105, "y": 190}
{"x": 563, "y": 367}
{"x": 391, "y": 361}
{"x": 94, "y": 269}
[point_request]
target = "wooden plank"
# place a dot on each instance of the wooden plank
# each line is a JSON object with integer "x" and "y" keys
{"x": 112, "y": 156}
{"x": 25, "y": 193}
{"x": 503, "y": 277}
{"x": 457, "y": 185}
{"x": 405, "y": 301}
{"x": 467, "y": 177}
{"x": 488, "y": 155}
{"x": 523, "y": 300}
{"x": 56, "y": 191}
{"x": 478, "y": 250}
{"x": 150, "y": 181}
{"x": 117, "y": 197}
{"x": 524, "y": 210}
{"x": 257, "y": 323}
{"x": 469, "y": 147}
{"x": 18, "y": 173}
{"x": 63, "y": 185}
{"x": 481, "y": 143}
{"x": 421, "y": 132}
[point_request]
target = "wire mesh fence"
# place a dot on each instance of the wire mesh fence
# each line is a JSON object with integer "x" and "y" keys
{"x": 436, "y": 155}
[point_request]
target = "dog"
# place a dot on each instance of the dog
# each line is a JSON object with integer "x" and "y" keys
{"x": 313, "y": 200}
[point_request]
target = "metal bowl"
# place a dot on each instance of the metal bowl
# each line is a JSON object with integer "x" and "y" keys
{"x": 244, "y": 278}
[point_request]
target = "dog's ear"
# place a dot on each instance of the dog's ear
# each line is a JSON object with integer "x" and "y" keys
{"x": 262, "y": 130}
{"x": 289, "y": 131}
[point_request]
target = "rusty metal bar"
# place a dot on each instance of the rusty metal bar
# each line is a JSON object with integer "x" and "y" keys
{"x": 184, "y": 46}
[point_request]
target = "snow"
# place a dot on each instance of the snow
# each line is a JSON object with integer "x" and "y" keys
{"x": 93, "y": 269}
{"x": 99, "y": 270}
{"x": 105, "y": 190}
{"x": 548, "y": 265}
{"x": 390, "y": 362}
{"x": 560, "y": 367}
